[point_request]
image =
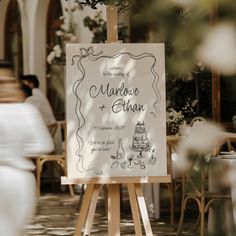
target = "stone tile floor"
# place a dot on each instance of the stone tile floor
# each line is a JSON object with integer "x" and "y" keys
{"x": 57, "y": 213}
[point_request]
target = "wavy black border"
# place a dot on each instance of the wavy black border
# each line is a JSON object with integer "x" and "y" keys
{"x": 89, "y": 53}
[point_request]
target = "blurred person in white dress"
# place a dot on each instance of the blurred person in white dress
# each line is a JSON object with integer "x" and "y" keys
{"x": 23, "y": 134}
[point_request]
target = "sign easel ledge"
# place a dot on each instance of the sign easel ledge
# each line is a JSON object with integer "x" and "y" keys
{"x": 117, "y": 180}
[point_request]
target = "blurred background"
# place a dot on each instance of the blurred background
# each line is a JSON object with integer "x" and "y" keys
{"x": 200, "y": 51}
{"x": 199, "y": 37}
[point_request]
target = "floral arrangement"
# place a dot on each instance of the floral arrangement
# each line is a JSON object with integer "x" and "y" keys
{"x": 66, "y": 33}
{"x": 123, "y": 5}
{"x": 189, "y": 108}
{"x": 98, "y": 26}
{"x": 173, "y": 120}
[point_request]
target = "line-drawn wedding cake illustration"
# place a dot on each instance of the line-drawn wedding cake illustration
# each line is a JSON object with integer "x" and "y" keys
{"x": 140, "y": 141}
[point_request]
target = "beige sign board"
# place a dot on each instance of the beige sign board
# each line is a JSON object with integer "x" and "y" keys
{"x": 115, "y": 110}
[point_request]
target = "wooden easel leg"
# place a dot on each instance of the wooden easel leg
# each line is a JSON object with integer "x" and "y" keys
{"x": 172, "y": 204}
{"x": 134, "y": 209}
{"x": 38, "y": 180}
{"x": 105, "y": 197}
{"x": 113, "y": 210}
{"x": 143, "y": 209}
{"x": 92, "y": 208}
{"x": 71, "y": 190}
{"x": 84, "y": 209}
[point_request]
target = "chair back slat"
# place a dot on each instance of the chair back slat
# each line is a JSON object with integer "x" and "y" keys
{"x": 52, "y": 128}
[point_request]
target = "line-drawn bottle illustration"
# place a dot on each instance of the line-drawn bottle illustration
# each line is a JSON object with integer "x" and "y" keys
{"x": 120, "y": 153}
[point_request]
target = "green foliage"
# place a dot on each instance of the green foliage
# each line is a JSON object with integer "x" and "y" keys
{"x": 122, "y": 5}
{"x": 183, "y": 27}
{"x": 98, "y": 27}
{"x": 191, "y": 94}
{"x": 178, "y": 28}
{"x": 173, "y": 121}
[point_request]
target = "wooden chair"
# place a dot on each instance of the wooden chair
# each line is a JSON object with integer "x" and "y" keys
{"x": 176, "y": 182}
{"x": 195, "y": 186}
{"x": 196, "y": 189}
{"x": 53, "y": 129}
{"x": 196, "y": 119}
{"x": 229, "y": 144}
{"x": 57, "y": 156}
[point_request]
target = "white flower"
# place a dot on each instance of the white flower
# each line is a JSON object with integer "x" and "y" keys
{"x": 201, "y": 66}
{"x": 70, "y": 37}
{"x": 51, "y": 56}
{"x": 219, "y": 49}
{"x": 183, "y": 2}
{"x": 173, "y": 120}
{"x": 66, "y": 25}
{"x": 57, "y": 50}
{"x": 63, "y": 26}
{"x": 74, "y": 5}
{"x": 202, "y": 138}
{"x": 188, "y": 77}
{"x": 59, "y": 33}
{"x": 66, "y": 33}
{"x": 73, "y": 38}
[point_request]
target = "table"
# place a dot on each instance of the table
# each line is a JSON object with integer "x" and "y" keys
{"x": 201, "y": 196}
{"x": 222, "y": 172}
{"x": 229, "y": 137}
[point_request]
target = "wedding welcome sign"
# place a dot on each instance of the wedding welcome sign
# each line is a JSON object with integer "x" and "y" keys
{"x": 116, "y": 120}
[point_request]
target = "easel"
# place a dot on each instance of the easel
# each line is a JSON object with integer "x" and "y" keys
{"x": 137, "y": 202}
{"x": 89, "y": 205}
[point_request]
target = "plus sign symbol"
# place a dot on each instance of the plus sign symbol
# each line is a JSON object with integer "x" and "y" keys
{"x": 102, "y": 107}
